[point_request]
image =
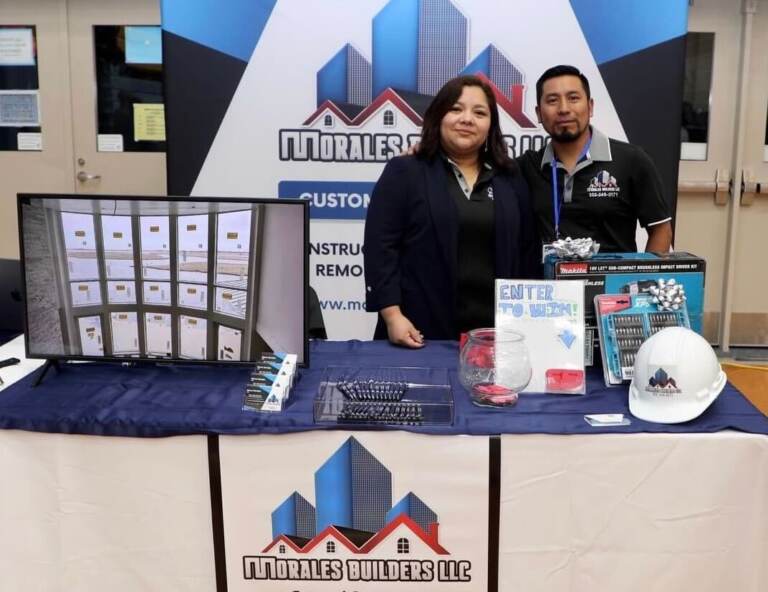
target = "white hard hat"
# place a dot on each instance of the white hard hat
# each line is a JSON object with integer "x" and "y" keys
{"x": 677, "y": 376}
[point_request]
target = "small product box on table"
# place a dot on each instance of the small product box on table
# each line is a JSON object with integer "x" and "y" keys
{"x": 270, "y": 382}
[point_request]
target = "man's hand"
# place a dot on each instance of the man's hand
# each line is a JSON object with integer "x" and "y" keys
{"x": 412, "y": 150}
{"x": 399, "y": 329}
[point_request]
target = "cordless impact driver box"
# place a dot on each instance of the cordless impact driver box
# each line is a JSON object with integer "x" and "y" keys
{"x": 630, "y": 273}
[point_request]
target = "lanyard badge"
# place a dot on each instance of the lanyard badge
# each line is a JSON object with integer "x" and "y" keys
{"x": 556, "y": 202}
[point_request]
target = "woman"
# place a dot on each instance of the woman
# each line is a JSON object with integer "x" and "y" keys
{"x": 443, "y": 224}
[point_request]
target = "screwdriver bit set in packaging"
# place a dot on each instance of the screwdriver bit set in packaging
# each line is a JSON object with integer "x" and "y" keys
{"x": 624, "y": 322}
{"x": 384, "y": 396}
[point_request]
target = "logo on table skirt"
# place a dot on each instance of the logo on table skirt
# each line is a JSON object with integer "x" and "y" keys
{"x": 352, "y": 517}
{"x": 370, "y": 110}
{"x": 603, "y": 184}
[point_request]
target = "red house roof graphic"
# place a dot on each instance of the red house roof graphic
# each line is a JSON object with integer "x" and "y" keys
{"x": 430, "y": 539}
{"x": 294, "y": 544}
{"x": 386, "y": 95}
{"x": 343, "y": 536}
{"x": 512, "y": 105}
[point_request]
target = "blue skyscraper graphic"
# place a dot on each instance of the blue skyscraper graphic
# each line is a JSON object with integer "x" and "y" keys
{"x": 497, "y": 68}
{"x": 442, "y": 44}
{"x": 353, "y": 489}
{"x": 415, "y": 509}
{"x": 294, "y": 517}
{"x": 417, "y": 45}
{"x": 345, "y": 78}
{"x": 395, "y": 46}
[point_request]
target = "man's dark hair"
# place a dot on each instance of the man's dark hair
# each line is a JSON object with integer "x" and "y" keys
{"x": 496, "y": 151}
{"x": 561, "y": 70}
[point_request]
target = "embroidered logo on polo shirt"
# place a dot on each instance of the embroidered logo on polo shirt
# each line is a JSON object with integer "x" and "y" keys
{"x": 490, "y": 192}
{"x": 603, "y": 184}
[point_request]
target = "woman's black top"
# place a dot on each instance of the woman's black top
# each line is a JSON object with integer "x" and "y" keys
{"x": 475, "y": 248}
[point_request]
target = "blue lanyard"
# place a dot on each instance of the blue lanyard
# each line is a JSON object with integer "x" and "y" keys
{"x": 556, "y": 203}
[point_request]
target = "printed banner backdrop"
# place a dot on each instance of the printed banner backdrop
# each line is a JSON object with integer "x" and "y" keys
{"x": 332, "y": 511}
{"x": 287, "y": 98}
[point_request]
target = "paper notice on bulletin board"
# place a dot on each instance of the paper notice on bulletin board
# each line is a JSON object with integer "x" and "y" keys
{"x": 29, "y": 141}
{"x": 17, "y": 46}
{"x": 19, "y": 108}
{"x": 148, "y": 122}
{"x": 109, "y": 143}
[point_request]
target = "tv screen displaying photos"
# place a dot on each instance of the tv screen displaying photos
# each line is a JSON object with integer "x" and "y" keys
{"x": 204, "y": 279}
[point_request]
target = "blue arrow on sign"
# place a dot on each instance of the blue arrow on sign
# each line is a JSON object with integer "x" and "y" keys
{"x": 567, "y": 337}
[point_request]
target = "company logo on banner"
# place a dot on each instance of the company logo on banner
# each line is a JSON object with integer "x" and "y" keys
{"x": 370, "y": 111}
{"x": 353, "y": 532}
{"x": 319, "y": 120}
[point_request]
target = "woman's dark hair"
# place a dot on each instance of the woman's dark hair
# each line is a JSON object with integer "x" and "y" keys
{"x": 495, "y": 151}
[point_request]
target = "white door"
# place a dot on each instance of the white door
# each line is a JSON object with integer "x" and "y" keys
{"x": 71, "y": 52}
{"x": 43, "y": 161}
{"x": 724, "y": 125}
{"x": 113, "y": 70}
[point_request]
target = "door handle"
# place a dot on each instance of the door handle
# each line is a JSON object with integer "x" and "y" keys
{"x": 750, "y": 188}
{"x": 82, "y": 176}
{"x": 719, "y": 187}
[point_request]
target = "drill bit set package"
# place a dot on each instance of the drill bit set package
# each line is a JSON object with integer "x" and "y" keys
{"x": 625, "y": 321}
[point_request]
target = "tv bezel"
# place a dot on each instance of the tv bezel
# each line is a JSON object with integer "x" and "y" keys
{"x": 141, "y": 358}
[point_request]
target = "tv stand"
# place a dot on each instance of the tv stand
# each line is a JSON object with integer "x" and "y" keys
{"x": 47, "y": 366}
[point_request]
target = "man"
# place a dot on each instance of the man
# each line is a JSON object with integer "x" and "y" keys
{"x": 603, "y": 186}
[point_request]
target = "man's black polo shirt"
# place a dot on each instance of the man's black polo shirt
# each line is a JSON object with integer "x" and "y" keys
{"x": 611, "y": 188}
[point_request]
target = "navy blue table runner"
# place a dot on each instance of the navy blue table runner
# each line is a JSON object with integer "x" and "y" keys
{"x": 168, "y": 400}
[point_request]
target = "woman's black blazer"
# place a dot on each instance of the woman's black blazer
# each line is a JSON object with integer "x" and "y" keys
{"x": 410, "y": 244}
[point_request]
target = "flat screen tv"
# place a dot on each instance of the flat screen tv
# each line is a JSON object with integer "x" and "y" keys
{"x": 160, "y": 278}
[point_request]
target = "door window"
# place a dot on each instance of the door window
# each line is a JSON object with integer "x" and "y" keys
{"x": 129, "y": 83}
{"x": 20, "y": 118}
